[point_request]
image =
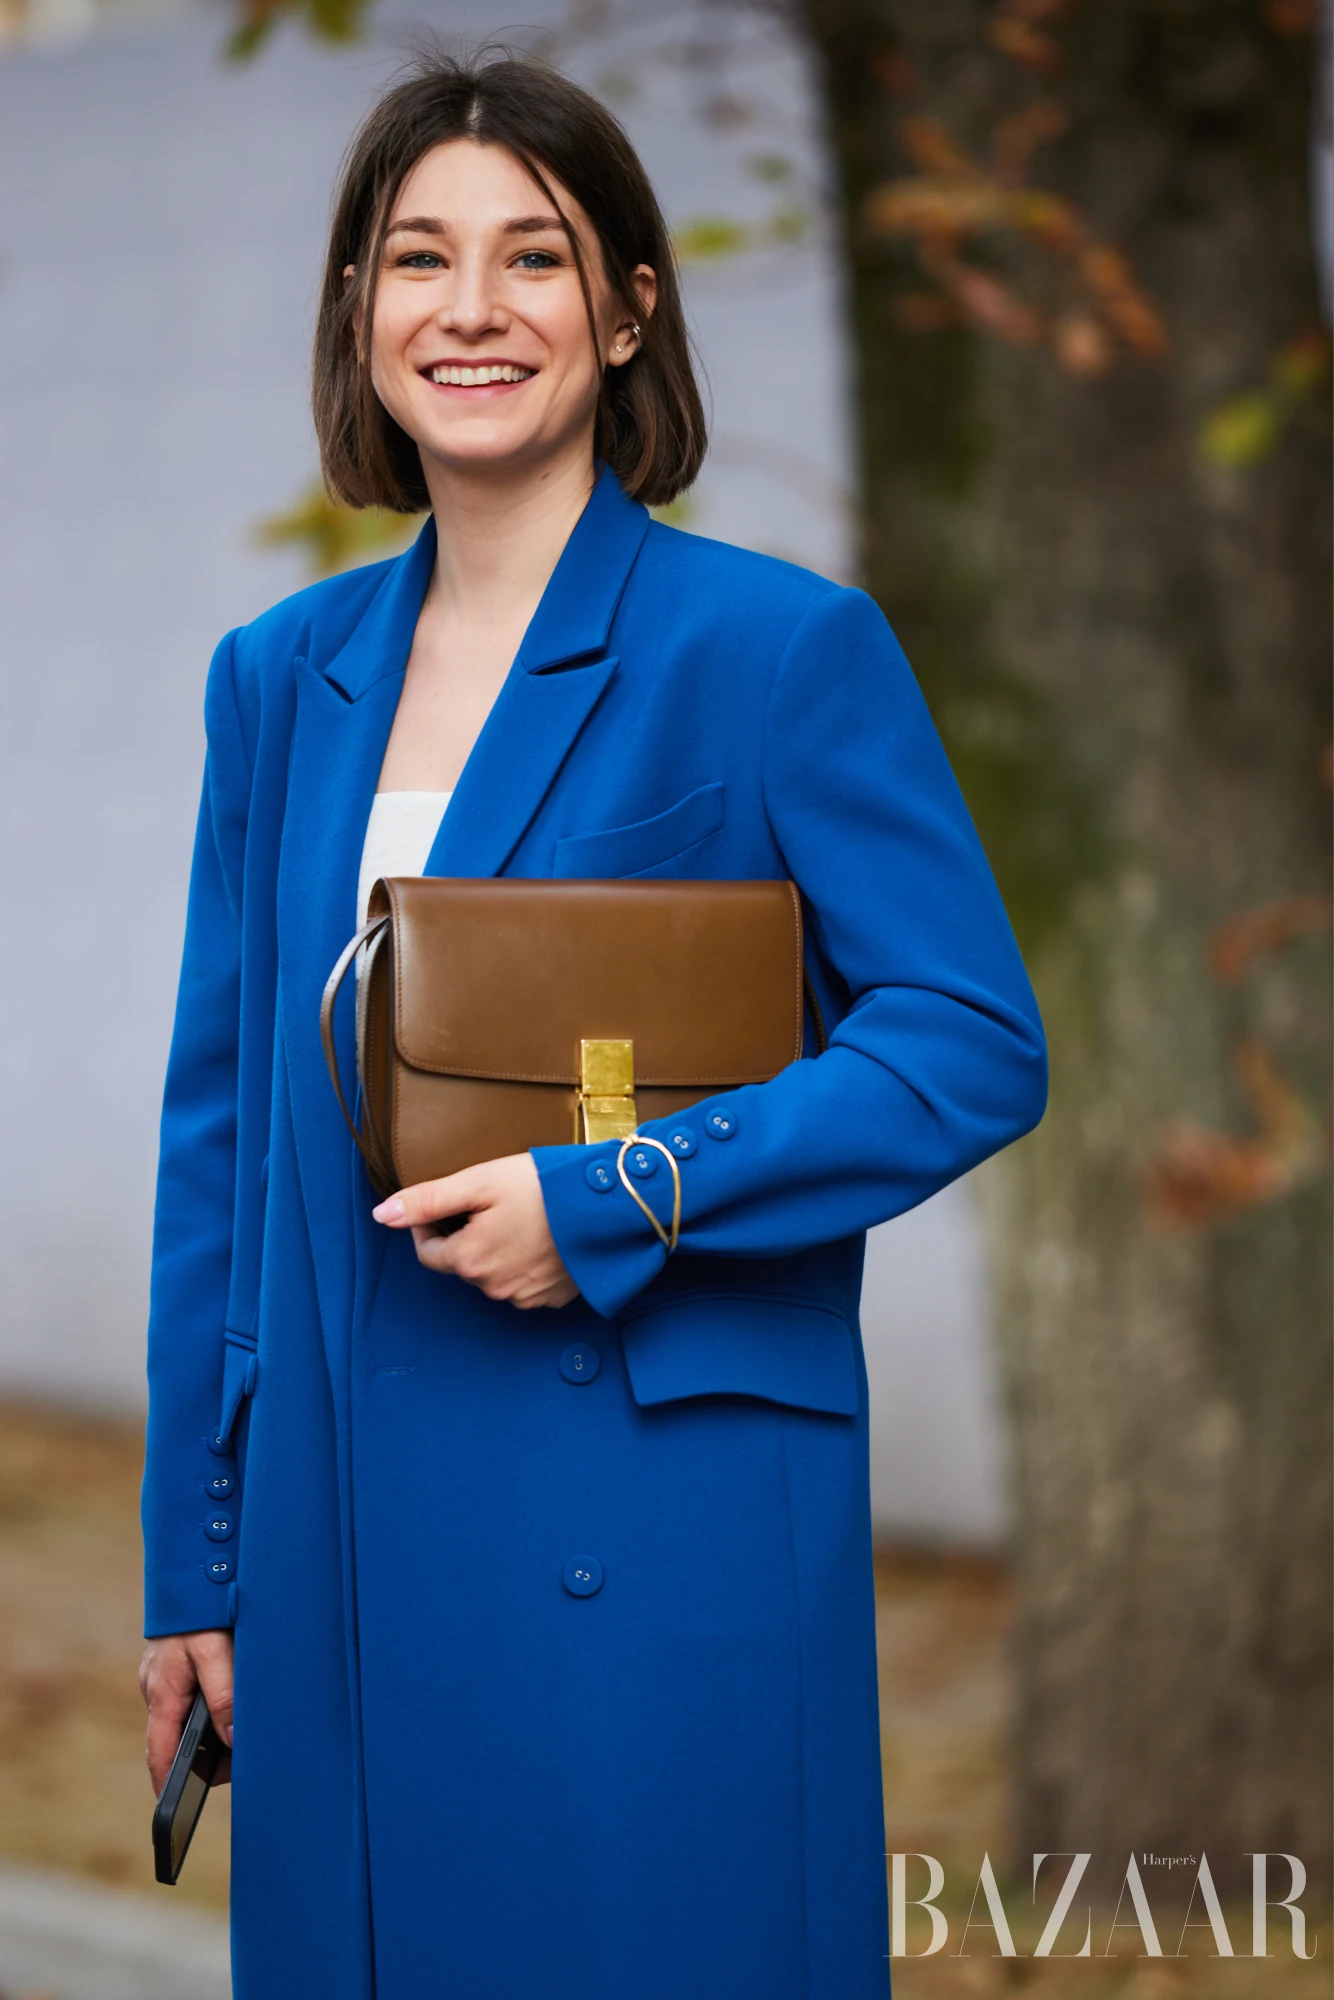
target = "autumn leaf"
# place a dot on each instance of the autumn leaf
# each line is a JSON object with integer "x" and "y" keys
{"x": 1242, "y": 941}
{"x": 1200, "y": 1177}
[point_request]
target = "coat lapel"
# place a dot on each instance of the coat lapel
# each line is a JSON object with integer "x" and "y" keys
{"x": 557, "y": 679}
{"x": 345, "y": 710}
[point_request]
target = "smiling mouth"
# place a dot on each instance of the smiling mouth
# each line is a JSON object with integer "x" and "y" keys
{"x": 453, "y": 375}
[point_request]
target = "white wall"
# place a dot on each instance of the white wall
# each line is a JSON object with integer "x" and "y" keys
{"x": 158, "y": 251}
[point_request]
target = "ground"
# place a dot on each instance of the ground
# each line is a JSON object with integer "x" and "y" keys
{"x": 74, "y": 1793}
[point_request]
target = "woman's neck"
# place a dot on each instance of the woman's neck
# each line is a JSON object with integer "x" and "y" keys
{"x": 499, "y": 537}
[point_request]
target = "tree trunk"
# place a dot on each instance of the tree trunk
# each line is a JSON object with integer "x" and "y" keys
{"x": 1124, "y": 643}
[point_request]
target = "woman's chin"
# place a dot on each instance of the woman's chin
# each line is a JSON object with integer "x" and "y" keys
{"x": 478, "y": 446}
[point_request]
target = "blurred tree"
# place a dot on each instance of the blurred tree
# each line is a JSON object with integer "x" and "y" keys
{"x": 1095, "y": 489}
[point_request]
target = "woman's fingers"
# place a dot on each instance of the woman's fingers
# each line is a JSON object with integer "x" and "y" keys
{"x": 505, "y": 1248}
{"x": 171, "y": 1671}
{"x": 431, "y": 1201}
{"x": 213, "y": 1656}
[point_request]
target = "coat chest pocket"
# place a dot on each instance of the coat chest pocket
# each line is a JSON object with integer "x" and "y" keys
{"x": 780, "y": 1349}
{"x": 644, "y": 845}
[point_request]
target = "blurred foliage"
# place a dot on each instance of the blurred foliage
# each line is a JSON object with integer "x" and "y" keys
{"x": 968, "y": 219}
{"x": 709, "y": 238}
{"x": 678, "y": 513}
{"x": 1247, "y": 428}
{"x": 333, "y": 536}
{"x": 326, "y": 20}
{"x": 1196, "y": 1176}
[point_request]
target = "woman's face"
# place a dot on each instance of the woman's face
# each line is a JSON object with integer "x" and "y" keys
{"x": 480, "y": 342}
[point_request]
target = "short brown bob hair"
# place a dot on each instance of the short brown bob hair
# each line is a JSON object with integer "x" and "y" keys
{"x": 650, "y": 422}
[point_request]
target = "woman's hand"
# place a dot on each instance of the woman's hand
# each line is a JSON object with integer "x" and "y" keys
{"x": 504, "y": 1248}
{"x": 169, "y": 1673}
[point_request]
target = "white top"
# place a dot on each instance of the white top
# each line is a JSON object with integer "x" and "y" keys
{"x": 400, "y": 834}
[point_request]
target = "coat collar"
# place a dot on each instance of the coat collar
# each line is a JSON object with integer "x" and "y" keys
{"x": 572, "y": 621}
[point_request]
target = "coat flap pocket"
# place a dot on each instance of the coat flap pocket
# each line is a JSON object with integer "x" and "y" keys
{"x": 628, "y": 850}
{"x": 783, "y": 1350}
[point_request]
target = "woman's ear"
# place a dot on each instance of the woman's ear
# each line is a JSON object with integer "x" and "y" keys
{"x": 645, "y": 281}
{"x": 628, "y": 336}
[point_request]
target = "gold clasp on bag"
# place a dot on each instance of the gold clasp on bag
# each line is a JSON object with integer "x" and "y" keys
{"x": 604, "y": 1106}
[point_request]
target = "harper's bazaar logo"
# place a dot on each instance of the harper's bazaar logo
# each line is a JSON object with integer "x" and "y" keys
{"x": 1133, "y": 1914}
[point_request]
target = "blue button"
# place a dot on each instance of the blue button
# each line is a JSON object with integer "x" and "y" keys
{"x": 722, "y": 1123}
{"x": 221, "y": 1486}
{"x": 220, "y": 1569}
{"x": 582, "y": 1576}
{"x": 682, "y": 1142}
{"x": 600, "y": 1176}
{"x": 220, "y": 1446}
{"x": 219, "y": 1527}
{"x": 580, "y": 1362}
{"x": 642, "y": 1162}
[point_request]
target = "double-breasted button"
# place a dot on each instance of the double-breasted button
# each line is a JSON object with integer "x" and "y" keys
{"x": 642, "y": 1162}
{"x": 580, "y": 1362}
{"x": 219, "y": 1445}
{"x": 219, "y": 1527}
{"x": 220, "y": 1569}
{"x": 682, "y": 1142}
{"x": 221, "y": 1486}
{"x": 582, "y": 1576}
{"x": 600, "y": 1176}
{"x": 722, "y": 1123}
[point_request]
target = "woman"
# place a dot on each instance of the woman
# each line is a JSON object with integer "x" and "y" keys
{"x": 547, "y": 1556}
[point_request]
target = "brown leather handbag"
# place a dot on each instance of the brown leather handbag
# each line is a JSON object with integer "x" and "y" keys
{"x": 500, "y": 1014}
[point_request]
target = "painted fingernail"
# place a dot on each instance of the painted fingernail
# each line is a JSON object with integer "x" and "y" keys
{"x": 389, "y": 1211}
{"x": 227, "y": 1735}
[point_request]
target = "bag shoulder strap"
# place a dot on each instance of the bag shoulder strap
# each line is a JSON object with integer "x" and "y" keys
{"x": 368, "y": 934}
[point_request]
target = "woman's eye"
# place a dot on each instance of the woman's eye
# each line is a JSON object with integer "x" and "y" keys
{"x": 420, "y": 260}
{"x": 536, "y": 260}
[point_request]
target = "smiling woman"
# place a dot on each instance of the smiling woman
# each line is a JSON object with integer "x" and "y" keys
{"x": 546, "y": 1542}
{"x": 409, "y": 222}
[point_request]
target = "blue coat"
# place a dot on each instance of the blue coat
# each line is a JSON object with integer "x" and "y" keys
{"x": 554, "y": 1631}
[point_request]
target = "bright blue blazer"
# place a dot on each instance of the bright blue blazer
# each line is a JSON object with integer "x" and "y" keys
{"x": 555, "y": 1631}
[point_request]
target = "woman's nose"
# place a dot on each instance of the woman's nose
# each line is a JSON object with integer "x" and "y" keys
{"x": 472, "y": 306}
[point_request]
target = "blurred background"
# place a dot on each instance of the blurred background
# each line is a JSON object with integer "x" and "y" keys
{"x": 1016, "y": 312}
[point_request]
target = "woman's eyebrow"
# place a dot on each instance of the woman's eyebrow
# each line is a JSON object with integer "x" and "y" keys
{"x": 431, "y": 225}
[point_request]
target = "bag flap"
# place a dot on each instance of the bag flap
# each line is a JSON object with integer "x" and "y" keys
{"x": 502, "y": 978}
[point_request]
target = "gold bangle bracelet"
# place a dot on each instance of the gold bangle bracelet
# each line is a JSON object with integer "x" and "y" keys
{"x": 669, "y": 1243}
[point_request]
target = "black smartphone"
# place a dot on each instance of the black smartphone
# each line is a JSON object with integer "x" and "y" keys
{"x": 181, "y": 1800}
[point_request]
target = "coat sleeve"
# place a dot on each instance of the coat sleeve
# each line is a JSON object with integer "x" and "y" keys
{"x": 186, "y": 1572}
{"x": 939, "y": 1059}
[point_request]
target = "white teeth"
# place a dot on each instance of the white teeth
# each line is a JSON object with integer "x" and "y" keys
{"x": 472, "y": 378}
